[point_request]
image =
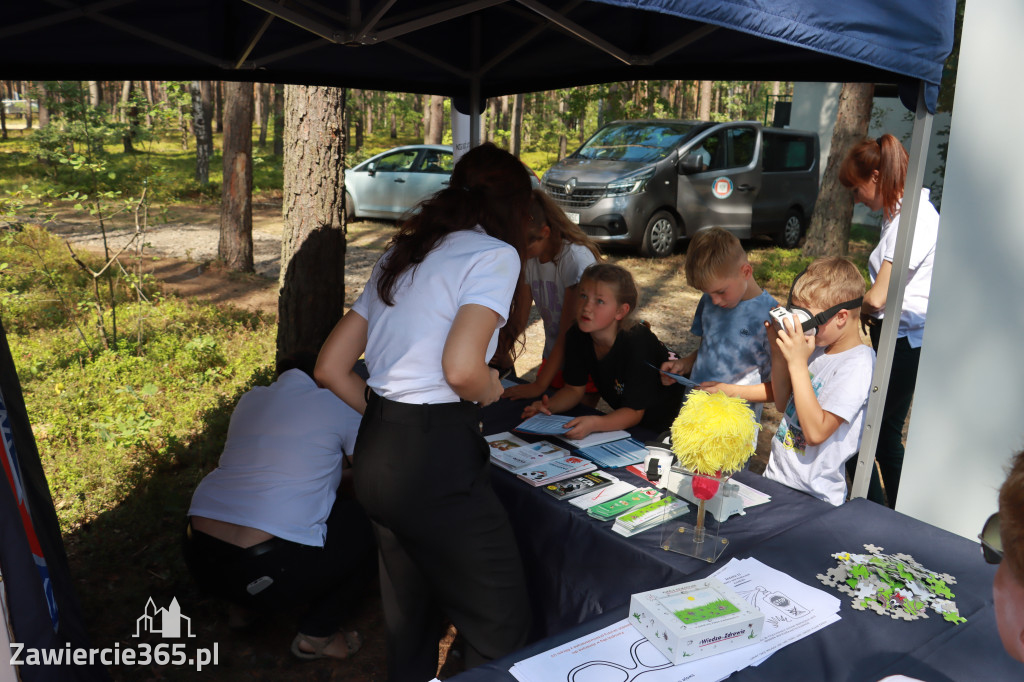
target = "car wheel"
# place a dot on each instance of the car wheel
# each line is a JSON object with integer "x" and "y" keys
{"x": 660, "y": 236}
{"x": 792, "y": 230}
{"x": 350, "y": 208}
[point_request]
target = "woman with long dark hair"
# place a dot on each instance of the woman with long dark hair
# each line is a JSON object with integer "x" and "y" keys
{"x": 876, "y": 171}
{"x": 428, "y": 321}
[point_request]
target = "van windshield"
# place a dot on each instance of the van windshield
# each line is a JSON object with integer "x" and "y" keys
{"x": 640, "y": 141}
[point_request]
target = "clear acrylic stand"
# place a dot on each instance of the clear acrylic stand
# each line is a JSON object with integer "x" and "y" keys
{"x": 697, "y": 535}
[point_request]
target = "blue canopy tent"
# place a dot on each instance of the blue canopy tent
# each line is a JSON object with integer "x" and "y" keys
{"x": 474, "y": 49}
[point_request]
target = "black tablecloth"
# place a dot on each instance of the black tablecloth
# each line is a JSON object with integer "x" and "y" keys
{"x": 578, "y": 568}
{"x": 862, "y": 645}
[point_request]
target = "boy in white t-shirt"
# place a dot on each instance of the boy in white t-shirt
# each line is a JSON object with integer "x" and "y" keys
{"x": 822, "y": 376}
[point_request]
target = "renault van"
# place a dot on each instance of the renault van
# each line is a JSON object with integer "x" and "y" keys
{"x": 647, "y": 184}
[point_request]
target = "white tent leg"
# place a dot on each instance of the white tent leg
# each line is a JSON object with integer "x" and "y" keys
{"x": 894, "y": 297}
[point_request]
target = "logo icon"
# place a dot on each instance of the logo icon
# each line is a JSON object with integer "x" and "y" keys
{"x": 721, "y": 188}
{"x": 169, "y": 622}
{"x": 570, "y": 186}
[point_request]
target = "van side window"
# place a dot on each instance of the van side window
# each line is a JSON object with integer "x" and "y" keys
{"x": 787, "y": 153}
{"x": 712, "y": 151}
{"x": 743, "y": 142}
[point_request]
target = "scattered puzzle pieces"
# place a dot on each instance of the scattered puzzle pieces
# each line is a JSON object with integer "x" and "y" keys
{"x": 893, "y": 585}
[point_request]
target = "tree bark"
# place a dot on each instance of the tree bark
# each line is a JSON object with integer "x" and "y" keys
{"x": 312, "y": 281}
{"x": 278, "y": 119}
{"x": 435, "y": 133}
{"x": 202, "y": 112}
{"x": 492, "y": 118}
{"x": 95, "y": 94}
{"x": 218, "y": 115}
{"x": 515, "y": 139}
{"x": 829, "y": 232}
{"x": 264, "y": 98}
{"x": 235, "y": 245}
{"x": 704, "y": 101}
{"x": 129, "y": 115}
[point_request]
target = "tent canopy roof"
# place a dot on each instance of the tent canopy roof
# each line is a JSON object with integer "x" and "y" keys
{"x": 489, "y": 47}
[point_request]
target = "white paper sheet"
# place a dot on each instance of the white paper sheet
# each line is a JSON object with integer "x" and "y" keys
{"x": 619, "y": 652}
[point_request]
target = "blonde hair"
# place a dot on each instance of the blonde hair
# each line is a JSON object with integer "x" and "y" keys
{"x": 544, "y": 211}
{"x": 827, "y": 282}
{"x": 1011, "y": 518}
{"x": 622, "y": 284}
{"x": 712, "y": 253}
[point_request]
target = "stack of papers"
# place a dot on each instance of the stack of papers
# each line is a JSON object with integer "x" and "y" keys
{"x": 649, "y": 516}
{"x": 616, "y": 489}
{"x": 617, "y": 453}
{"x": 512, "y": 454}
{"x": 620, "y": 505}
{"x": 554, "y": 425}
{"x": 555, "y": 470}
{"x": 792, "y": 611}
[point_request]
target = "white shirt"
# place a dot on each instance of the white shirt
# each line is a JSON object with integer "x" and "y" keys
{"x": 548, "y": 282}
{"x": 405, "y": 342}
{"x": 919, "y": 273}
{"x": 842, "y": 383}
{"x": 281, "y": 464}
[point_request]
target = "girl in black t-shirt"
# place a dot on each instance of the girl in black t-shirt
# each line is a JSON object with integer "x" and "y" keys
{"x": 605, "y": 345}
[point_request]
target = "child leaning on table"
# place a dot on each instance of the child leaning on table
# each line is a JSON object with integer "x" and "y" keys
{"x": 733, "y": 356}
{"x": 823, "y": 377}
{"x": 617, "y": 354}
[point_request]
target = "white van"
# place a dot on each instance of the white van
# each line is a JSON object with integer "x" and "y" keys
{"x": 646, "y": 184}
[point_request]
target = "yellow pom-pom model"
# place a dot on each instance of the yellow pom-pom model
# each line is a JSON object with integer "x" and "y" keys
{"x": 714, "y": 434}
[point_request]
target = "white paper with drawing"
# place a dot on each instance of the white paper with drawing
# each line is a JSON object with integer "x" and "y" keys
{"x": 619, "y": 652}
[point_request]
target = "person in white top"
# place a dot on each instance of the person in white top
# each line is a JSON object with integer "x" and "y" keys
{"x": 267, "y": 528}
{"x": 558, "y": 252}
{"x": 428, "y": 321}
{"x": 876, "y": 171}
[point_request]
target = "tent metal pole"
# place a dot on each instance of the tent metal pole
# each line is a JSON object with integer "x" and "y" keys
{"x": 894, "y": 296}
{"x": 474, "y": 82}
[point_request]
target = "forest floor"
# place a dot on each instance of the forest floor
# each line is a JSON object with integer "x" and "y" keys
{"x": 181, "y": 253}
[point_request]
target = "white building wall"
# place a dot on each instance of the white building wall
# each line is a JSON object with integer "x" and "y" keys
{"x": 814, "y": 108}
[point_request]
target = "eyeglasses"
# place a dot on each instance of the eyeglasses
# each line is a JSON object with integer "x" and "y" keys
{"x": 991, "y": 541}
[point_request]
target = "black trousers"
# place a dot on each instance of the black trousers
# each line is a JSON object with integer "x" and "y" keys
{"x": 278, "y": 574}
{"x": 446, "y": 546}
{"x": 889, "y": 454}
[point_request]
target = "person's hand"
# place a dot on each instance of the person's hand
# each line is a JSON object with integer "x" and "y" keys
{"x": 712, "y": 386}
{"x": 494, "y": 390}
{"x": 581, "y": 427}
{"x": 539, "y": 406}
{"x": 523, "y": 391}
{"x": 676, "y": 366}
{"x": 795, "y": 346}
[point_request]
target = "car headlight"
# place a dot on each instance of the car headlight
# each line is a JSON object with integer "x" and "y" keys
{"x": 631, "y": 184}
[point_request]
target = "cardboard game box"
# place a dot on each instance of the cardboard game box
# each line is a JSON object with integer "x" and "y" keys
{"x": 693, "y": 620}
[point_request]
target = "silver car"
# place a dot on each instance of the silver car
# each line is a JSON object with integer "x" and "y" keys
{"x": 392, "y": 183}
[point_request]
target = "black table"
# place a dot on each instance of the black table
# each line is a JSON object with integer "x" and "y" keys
{"x": 862, "y": 645}
{"x": 577, "y": 568}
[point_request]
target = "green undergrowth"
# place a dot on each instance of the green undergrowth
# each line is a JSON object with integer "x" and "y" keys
{"x": 151, "y": 409}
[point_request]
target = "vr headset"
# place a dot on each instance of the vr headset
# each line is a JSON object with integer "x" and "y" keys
{"x": 801, "y": 318}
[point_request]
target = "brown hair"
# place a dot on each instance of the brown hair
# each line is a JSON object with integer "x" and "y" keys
{"x": 544, "y": 211}
{"x": 712, "y": 253}
{"x": 885, "y": 155}
{"x": 621, "y": 282}
{"x": 829, "y": 281}
{"x": 1011, "y": 517}
{"x": 489, "y": 187}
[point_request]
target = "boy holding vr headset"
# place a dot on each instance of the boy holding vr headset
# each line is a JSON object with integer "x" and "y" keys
{"x": 821, "y": 377}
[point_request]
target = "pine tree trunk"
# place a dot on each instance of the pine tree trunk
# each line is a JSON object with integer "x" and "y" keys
{"x": 492, "y": 118}
{"x": 563, "y": 142}
{"x": 435, "y": 131}
{"x": 278, "y": 120}
{"x": 235, "y": 245}
{"x": 704, "y": 101}
{"x": 202, "y": 109}
{"x": 312, "y": 281}
{"x": 829, "y": 232}
{"x": 264, "y": 98}
{"x": 218, "y": 116}
{"x": 515, "y": 140}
